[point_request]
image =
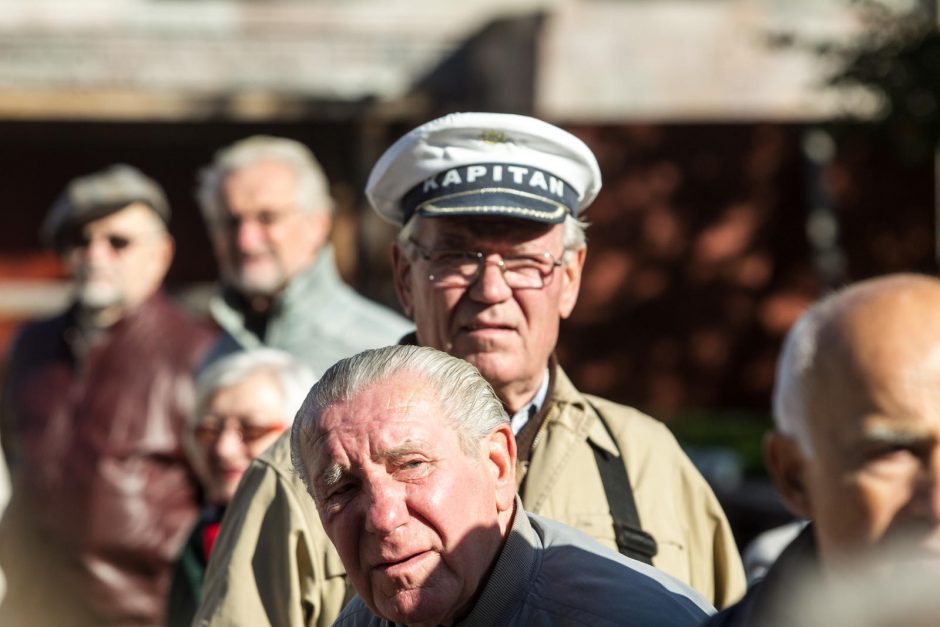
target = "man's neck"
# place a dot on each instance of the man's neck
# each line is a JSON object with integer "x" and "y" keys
{"x": 517, "y": 395}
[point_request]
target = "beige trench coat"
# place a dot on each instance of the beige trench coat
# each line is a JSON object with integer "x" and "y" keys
{"x": 675, "y": 504}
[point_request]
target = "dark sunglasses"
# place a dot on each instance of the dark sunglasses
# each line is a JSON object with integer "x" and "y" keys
{"x": 116, "y": 242}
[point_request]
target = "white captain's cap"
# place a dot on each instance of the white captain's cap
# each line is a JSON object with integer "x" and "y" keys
{"x": 485, "y": 164}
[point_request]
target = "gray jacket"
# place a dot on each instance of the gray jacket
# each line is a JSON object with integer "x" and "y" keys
{"x": 318, "y": 318}
{"x": 550, "y": 574}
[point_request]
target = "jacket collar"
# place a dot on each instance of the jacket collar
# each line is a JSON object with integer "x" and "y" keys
{"x": 773, "y": 594}
{"x": 578, "y": 410}
{"x": 516, "y": 567}
{"x": 230, "y": 309}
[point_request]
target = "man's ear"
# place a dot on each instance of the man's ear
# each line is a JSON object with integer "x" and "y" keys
{"x": 571, "y": 278}
{"x": 401, "y": 268}
{"x": 788, "y": 467}
{"x": 500, "y": 449}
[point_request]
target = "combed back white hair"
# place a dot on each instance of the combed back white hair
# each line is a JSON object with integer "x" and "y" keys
{"x": 312, "y": 187}
{"x": 293, "y": 377}
{"x": 471, "y": 406}
{"x": 792, "y": 394}
{"x": 575, "y": 235}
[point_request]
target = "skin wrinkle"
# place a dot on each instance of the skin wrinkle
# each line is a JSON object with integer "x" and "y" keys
{"x": 507, "y": 334}
{"x": 403, "y": 531}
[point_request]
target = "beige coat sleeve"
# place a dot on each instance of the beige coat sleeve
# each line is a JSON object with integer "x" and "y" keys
{"x": 272, "y": 564}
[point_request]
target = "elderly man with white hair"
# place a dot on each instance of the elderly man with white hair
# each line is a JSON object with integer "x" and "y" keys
{"x": 411, "y": 461}
{"x": 267, "y": 206}
{"x": 856, "y": 448}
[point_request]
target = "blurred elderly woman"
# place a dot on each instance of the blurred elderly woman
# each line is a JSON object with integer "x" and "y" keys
{"x": 243, "y": 403}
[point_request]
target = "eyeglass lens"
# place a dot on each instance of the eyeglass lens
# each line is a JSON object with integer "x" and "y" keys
{"x": 116, "y": 242}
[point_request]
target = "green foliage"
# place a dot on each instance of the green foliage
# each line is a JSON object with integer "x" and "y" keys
{"x": 740, "y": 431}
{"x": 897, "y": 60}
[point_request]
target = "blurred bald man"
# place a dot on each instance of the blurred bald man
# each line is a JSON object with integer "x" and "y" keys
{"x": 856, "y": 448}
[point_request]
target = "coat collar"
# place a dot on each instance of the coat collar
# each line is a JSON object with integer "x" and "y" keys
{"x": 516, "y": 566}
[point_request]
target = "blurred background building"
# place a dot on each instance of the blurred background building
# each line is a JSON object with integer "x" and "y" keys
{"x": 753, "y": 156}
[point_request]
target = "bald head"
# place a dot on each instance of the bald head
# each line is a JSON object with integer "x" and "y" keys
{"x": 872, "y": 334}
{"x": 857, "y": 406}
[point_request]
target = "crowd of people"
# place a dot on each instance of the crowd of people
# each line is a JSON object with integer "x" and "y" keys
{"x": 309, "y": 457}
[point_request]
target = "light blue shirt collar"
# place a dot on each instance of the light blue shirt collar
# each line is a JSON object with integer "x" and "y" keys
{"x": 521, "y": 417}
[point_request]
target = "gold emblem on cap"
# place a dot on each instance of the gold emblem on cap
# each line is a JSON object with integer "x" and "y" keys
{"x": 494, "y": 137}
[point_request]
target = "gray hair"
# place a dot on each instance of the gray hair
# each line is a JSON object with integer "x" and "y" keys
{"x": 792, "y": 394}
{"x": 293, "y": 377}
{"x": 312, "y": 185}
{"x": 575, "y": 235}
{"x": 473, "y": 409}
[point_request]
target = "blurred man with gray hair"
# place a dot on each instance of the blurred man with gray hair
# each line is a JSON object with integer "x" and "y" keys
{"x": 410, "y": 458}
{"x": 93, "y": 410}
{"x": 267, "y": 206}
{"x": 856, "y": 448}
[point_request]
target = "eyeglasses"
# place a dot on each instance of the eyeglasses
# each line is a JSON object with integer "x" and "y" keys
{"x": 461, "y": 268}
{"x": 212, "y": 426}
{"x": 266, "y": 218}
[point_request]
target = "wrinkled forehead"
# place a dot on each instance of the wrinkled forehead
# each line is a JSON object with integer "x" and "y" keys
{"x": 383, "y": 414}
{"x": 470, "y": 230}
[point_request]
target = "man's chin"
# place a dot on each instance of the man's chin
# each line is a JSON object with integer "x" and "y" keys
{"x": 98, "y": 296}
{"x": 412, "y": 607}
{"x": 259, "y": 284}
{"x": 497, "y": 367}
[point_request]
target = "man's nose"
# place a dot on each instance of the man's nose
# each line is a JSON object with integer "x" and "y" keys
{"x": 98, "y": 248}
{"x": 387, "y": 508}
{"x": 490, "y": 285}
{"x": 249, "y": 234}
{"x": 228, "y": 444}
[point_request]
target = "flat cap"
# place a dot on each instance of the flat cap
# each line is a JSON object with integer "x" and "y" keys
{"x": 96, "y": 195}
{"x": 485, "y": 164}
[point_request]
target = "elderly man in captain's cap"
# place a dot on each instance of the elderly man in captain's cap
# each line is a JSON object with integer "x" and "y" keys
{"x": 487, "y": 263}
{"x": 94, "y": 407}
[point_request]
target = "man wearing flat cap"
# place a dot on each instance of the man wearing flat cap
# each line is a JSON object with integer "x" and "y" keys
{"x": 487, "y": 263}
{"x": 93, "y": 408}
